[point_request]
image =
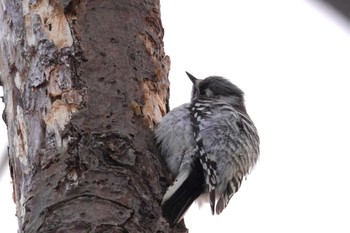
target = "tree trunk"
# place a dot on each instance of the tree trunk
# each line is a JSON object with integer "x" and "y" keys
{"x": 84, "y": 82}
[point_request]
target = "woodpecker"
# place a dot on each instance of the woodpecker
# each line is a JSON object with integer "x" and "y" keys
{"x": 209, "y": 145}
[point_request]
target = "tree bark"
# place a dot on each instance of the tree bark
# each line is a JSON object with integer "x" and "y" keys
{"x": 85, "y": 81}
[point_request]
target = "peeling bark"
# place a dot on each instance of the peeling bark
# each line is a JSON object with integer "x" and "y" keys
{"x": 84, "y": 84}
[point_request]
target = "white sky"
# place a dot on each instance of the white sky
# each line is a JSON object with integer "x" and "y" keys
{"x": 291, "y": 58}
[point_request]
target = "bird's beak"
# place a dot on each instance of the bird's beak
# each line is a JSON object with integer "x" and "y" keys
{"x": 193, "y": 79}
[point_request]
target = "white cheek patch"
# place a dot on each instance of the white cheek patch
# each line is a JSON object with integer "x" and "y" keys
{"x": 208, "y": 92}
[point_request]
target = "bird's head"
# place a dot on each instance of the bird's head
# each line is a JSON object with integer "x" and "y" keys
{"x": 213, "y": 87}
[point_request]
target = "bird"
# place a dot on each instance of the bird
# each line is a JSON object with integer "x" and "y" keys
{"x": 209, "y": 145}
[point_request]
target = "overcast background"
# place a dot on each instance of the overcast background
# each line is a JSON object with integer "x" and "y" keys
{"x": 291, "y": 58}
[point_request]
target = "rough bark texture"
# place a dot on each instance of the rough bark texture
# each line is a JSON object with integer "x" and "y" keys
{"x": 84, "y": 84}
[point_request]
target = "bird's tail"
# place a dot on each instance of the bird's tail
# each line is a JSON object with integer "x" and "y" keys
{"x": 187, "y": 187}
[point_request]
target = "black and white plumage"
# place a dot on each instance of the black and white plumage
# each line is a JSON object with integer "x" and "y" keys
{"x": 209, "y": 144}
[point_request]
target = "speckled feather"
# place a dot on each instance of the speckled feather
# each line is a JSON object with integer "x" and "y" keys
{"x": 219, "y": 127}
